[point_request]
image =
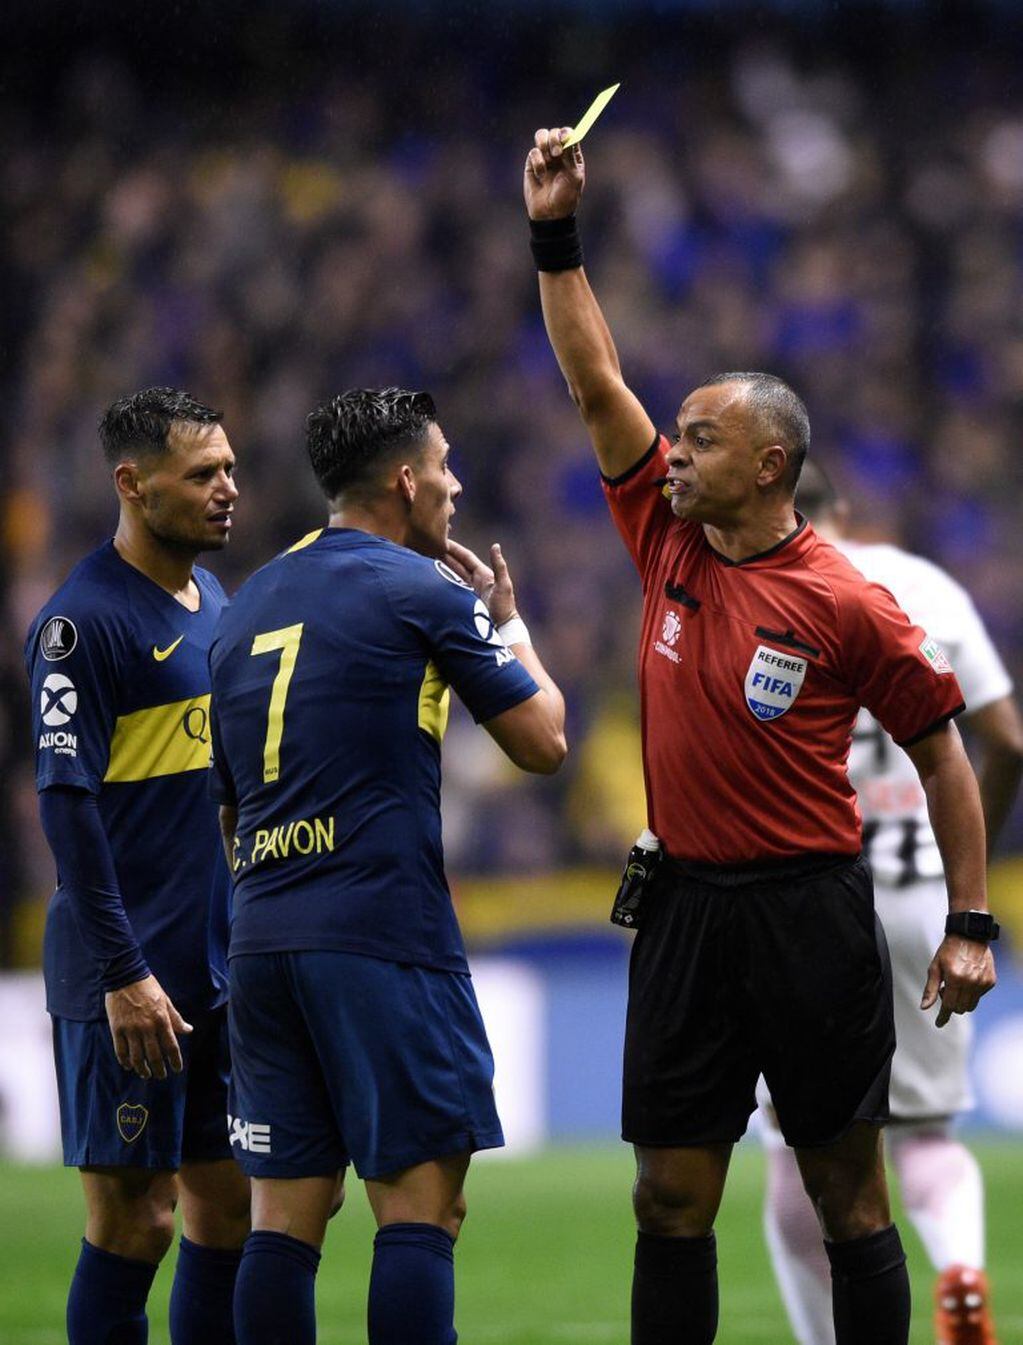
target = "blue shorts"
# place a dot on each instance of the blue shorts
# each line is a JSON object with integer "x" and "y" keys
{"x": 109, "y": 1117}
{"x": 338, "y": 1057}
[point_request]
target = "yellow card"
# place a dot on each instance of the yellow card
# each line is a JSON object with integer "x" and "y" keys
{"x": 591, "y": 114}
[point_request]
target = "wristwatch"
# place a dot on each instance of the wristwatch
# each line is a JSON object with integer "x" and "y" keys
{"x": 979, "y": 925}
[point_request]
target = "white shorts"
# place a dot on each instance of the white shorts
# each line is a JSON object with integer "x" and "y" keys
{"x": 929, "y": 1071}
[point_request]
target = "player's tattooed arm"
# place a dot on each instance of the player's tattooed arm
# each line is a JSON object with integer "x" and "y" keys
{"x": 962, "y": 970}
{"x": 621, "y": 431}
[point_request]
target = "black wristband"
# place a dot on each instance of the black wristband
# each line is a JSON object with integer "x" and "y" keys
{"x": 556, "y": 244}
{"x": 978, "y": 925}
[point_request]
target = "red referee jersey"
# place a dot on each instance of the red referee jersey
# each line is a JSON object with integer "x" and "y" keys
{"x": 751, "y": 675}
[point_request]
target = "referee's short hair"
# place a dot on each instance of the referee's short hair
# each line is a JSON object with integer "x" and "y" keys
{"x": 350, "y": 437}
{"x": 780, "y": 415}
{"x": 139, "y": 425}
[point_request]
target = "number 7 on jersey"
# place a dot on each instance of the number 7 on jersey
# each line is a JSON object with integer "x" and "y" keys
{"x": 287, "y": 641}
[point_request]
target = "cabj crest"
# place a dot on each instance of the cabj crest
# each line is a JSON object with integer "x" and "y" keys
{"x": 131, "y": 1120}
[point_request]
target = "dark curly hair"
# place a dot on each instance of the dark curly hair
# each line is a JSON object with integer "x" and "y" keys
{"x": 139, "y": 424}
{"x": 350, "y": 436}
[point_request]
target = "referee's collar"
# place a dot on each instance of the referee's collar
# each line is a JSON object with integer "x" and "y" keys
{"x": 788, "y": 549}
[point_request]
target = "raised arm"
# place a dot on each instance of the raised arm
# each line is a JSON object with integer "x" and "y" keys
{"x": 621, "y": 431}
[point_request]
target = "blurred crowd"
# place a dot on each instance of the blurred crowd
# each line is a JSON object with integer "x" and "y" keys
{"x": 295, "y": 208}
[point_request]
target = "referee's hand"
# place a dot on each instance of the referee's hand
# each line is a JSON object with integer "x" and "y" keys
{"x": 144, "y": 1026}
{"x": 554, "y": 177}
{"x": 961, "y": 971}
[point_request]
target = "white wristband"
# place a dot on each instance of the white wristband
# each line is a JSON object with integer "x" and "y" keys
{"x": 514, "y": 631}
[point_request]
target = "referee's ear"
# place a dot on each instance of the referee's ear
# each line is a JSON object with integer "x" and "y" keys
{"x": 774, "y": 463}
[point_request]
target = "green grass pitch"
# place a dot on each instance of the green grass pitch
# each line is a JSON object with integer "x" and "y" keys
{"x": 544, "y": 1258}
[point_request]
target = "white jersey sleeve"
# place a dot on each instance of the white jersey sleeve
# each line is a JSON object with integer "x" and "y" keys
{"x": 897, "y": 834}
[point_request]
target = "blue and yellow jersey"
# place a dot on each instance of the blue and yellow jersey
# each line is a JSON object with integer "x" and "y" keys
{"x": 120, "y": 705}
{"x": 331, "y": 672}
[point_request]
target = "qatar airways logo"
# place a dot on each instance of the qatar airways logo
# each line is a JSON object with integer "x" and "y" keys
{"x": 670, "y": 631}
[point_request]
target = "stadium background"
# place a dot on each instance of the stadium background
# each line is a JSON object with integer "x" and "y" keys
{"x": 265, "y": 203}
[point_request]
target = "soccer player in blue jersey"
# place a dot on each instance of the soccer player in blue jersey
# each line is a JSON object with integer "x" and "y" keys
{"x": 136, "y": 933}
{"x": 355, "y": 1032}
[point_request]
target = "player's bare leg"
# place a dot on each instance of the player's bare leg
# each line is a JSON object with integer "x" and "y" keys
{"x": 676, "y": 1198}
{"x": 419, "y": 1213}
{"x": 846, "y": 1182}
{"x": 296, "y": 1206}
{"x": 214, "y": 1201}
{"x": 130, "y": 1211}
{"x": 430, "y": 1193}
{"x": 129, "y": 1224}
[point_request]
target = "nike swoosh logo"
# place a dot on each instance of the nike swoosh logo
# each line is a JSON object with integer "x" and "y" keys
{"x": 161, "y": 654}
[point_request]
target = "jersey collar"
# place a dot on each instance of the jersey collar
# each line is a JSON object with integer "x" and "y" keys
{"x": 790, "y": 548}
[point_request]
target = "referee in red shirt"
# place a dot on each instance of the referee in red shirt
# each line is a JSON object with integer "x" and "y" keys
{"x": 758, "y": 949}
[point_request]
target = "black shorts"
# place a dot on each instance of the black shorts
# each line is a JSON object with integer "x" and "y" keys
{"x": 780, "y": 969}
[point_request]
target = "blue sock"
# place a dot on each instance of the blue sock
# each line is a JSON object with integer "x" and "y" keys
{"x": 202, "y": 1297}
{"x": 412, "y": 1287}
{"x": 274, "y": 1294}
{"x": 107, "y": 1301}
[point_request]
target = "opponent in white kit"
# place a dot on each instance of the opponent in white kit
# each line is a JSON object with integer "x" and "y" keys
{"x": 938, "y": 1177}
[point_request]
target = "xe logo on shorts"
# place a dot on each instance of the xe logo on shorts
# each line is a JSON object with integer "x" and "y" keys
{"x": 252, "y": 1136}
{"x": 131, "y": 1121}
{"x": 772, "y": 682}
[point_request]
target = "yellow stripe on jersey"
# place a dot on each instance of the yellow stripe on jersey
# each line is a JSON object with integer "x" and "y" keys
{"x": 434, "y": 703}
{"x": 307, "y": 540}
{"x": 160, "y": 740}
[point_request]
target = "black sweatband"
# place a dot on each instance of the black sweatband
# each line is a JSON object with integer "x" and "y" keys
{"x": 556, "y": 244}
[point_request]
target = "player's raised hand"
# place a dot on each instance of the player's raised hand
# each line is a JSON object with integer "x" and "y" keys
{"x": 491, "y": 582}
{"x": 501, "y": 602}
{"x": 145, "y": 1026}
{"x": 554, "y": 176}
{"x": 961, "y": 971}
{"x": 468, "y": 566}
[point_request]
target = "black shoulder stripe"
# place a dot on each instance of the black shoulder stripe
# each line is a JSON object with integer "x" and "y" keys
{"x": 932, "y": 728}
{"x": 677, "y": 593}
{"x": 636, "y": 466}
{"x": 789, "y": 639}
